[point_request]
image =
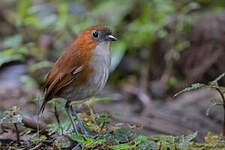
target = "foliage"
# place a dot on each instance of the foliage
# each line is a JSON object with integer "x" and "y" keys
{"x": 11, "y": 116}
{"x": 115, "y": 137}
{"x": 212, "y": 85}
{"x": 138, "y": 23}
{"x": 40, "y": 30}
{"x": 119, "y": 138}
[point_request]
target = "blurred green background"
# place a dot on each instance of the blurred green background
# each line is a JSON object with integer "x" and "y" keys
{"x": 153, "y": 35}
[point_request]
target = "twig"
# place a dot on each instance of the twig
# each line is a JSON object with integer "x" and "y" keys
{"x": 222, "y": 96}
{"x": 35, "y": 125}
{"x": 37, "y": 146}
{"x": 17, "y": 134}
{"x": 57, "y": 118}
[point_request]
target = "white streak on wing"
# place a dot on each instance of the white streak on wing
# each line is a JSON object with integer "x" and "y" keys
{"x": 79, "y": 69}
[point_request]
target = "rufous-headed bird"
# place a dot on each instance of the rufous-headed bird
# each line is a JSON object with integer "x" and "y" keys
{"x": 81, "y": 71}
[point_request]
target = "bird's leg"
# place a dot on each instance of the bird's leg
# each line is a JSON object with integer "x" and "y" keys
{"x": 81, "y": 124}
{"x": 69, "y": 112}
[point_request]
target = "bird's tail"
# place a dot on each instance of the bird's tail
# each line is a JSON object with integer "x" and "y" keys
{"x": 42, "y": 108}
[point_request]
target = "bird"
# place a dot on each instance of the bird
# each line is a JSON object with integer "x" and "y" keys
{"x": 80, "y": 72}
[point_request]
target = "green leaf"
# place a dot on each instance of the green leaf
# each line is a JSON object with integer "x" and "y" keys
{"x": 184, "y": 141}
{"x": 22, "y": 8}
{"x": 120, "y": 147}
{"x": 16, "y": 119}
{"x": 140, "y": 139}
{"x": 96, "y": 99}
{"x": 123, "y": 135}
{"x": 97, "y": 142}
{"x": 168, "y": 142}
{"x": 62, "y": 142}
{"x": 65, "y": 127}
{"x": 81, "y": 139}
{"x": 40, "y": 65}
{"x": 11, "y": 116}
{"x": 118, "y": 51}
{"x": 12, "y": 41}
{"x": 63, "y": 16}
{"x": 107, "y": 136}
{"x": 102, "y": 118}
{"x": 37, "y": 138}
{"x": 191, "y": 136}
{"x": 147, "y": 145}
{"x": 9, "y": 55}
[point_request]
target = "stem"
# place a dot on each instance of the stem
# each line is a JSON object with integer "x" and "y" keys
{"x": 221, "y": 94}
{"x": 17, "y": 134}
{"x": 57, "y": 118}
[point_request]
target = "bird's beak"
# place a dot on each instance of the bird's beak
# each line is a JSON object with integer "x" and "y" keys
{"x": 111, "y": 38}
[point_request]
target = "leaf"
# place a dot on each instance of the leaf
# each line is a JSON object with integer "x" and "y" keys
{"x": 27, "y": 80}
{"x": 40, "y": 65}
{"x": 102, "y": 118}
{"x": 120, "y": 147}
{"x": 37, "y": 138}
{"x": 97, "y": 142}
{"x": 147, "y": 145}
{"x": 168, "y": 142}
{"x": 62, "y": 17}
{"x": 191, "y": 136}
{"x": 184, "y": 141}
{"x": 12, "y": 41}
{"x": 9, "y": 55}
{"x": 107, "y": 136}
{"x": 123, "y": 135}
{"x": 22, "y": 8}
{"x": 140, "y": 139}
{"x": 96, "y": 99}
{"x": 62, "y": 142}
{"x": 118, "y": 51}
{"x": 65, "y": 127}
{"x": 11, "y": 116}
{"x": 193, "y": 87}
{"x": 16, "y": 119}
{"x": 81, "y": 139}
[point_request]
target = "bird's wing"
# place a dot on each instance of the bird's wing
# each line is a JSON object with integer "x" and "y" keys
{"x": 61, "y": 80}
{"x": 56, "y": 81}
{"x": 62, "y": 74}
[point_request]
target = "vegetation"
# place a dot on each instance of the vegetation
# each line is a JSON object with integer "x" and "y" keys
{"x": 116, "y": 137}
{"x": 154, "y": 44}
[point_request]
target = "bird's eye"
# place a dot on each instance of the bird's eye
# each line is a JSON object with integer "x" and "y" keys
{"x": 95, "y": 34}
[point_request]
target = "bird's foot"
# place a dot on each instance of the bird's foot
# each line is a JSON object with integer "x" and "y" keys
{"x": 81, "y": 125}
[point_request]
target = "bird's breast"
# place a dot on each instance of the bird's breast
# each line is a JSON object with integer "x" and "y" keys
{"x": 100, "y": 62}
{"x": 96, "y": 79}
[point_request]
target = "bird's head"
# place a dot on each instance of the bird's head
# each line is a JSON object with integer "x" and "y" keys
{"x": 95, "y": 35}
